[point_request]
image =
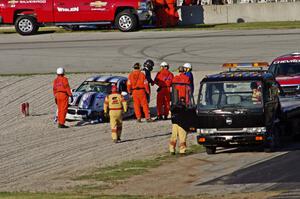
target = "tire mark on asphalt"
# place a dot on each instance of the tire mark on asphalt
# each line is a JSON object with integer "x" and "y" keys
{"x": 13, "y": 83}
{"x": 193, "y": 36}
{"x": 143, "y": 50}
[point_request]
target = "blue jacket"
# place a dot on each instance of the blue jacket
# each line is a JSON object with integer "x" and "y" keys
{"x": 191, "y": 77}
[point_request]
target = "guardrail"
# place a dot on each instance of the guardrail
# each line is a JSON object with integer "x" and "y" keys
{"x": 236, "y": 13}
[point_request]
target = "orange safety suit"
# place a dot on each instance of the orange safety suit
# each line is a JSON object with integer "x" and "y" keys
{"x": 62, "y": 92}
{"x": 182, "y": 87}
{"x": 115, "y": 104}
{"x": 137, "y": 85}
{"x": 172, "y": 14}
{"x": 164, "y": 81}
{"x": 161, "y": 15}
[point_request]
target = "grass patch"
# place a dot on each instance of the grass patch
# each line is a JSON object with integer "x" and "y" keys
{"x": 195, "y": 148}
{"x": 134, "y": 167}
{"x": 123, "y": 170}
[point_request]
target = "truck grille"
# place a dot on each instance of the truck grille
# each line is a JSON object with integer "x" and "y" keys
{"x": 230, "y": 129}
{"x": 82, "y": 112}
{"x": 71, "y": 111}
{"x": 289, "y": 90}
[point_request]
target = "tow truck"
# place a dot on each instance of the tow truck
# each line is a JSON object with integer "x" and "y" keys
{"x": 244, "y": 105}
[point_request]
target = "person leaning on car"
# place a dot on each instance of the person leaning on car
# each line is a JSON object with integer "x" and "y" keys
{"x": 115, "y": 104}
{"x": 62, "y": 92}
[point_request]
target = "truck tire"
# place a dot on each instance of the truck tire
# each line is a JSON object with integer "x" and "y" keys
{"x": 210, "y": 150}
{"x": 126, "y": 21}
{"x": 26, "y": 25}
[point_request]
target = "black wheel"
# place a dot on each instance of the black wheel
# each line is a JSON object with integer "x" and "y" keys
{"x": 71, "y": 27}
{"x": 26, "y": 25}
{"x": 210, "y": 149}
{"x": 126, "y": 21}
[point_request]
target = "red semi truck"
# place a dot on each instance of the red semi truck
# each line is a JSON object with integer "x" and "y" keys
{"x": 29, "y": 15}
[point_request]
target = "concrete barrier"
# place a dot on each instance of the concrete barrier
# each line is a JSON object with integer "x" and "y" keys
{"x": 257, "y": 12}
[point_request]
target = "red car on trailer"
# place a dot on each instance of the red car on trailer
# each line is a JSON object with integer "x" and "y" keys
{"x": 286, "y": 69}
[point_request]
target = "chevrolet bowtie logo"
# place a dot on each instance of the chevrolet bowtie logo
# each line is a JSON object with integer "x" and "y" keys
{"x": 13, "y": 2}
{"x": 98, "y": 4}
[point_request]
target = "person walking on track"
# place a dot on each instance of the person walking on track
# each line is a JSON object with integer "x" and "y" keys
{"x": 137, "y": 86}
{"x": 62, "y": 92}
{"x": 164, "y": 81}
{"x": 114, "y": 105}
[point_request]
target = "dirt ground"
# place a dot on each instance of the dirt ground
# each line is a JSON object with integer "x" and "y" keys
{"x": 35, "y": 155}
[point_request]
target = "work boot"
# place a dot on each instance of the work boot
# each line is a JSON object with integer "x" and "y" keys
{"x": 172, "y": 153}
{"x": 149, "y": 120}
{"x": 62, "y": 126}
{"x": 115, "y": 141}
{"x": 138, "y": 120}
{"x": 119, "y": 140}
{"x": 165, "y": 117}
{"x": 159, "y": 117}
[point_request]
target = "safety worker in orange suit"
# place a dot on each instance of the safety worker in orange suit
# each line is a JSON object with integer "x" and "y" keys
{"x": 115, "y": 104}
{"x": 163, "y": 80}
{"x": 182, "y": 85}
{"x": 171, "y": 13}
{"x": 62, "y": 92}
{"x": 161, "y": 15}
{"x": 137, "y": 86}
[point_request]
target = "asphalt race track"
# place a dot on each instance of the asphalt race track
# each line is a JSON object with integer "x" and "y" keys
{"x": 116, "y": 51}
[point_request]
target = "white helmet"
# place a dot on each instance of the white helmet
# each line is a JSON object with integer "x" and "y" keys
{"x": 60, "y": 71}
{"x": 164, "y": 64}
{"x": 187, "y": 65}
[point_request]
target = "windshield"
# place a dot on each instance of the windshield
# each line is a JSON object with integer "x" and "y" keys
{"x": 218, "y": 95}
{"x": 286, "y": 69}
{"x": 87, "y": 86}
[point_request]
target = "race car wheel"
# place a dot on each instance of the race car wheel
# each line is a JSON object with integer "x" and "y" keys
{"x": 26, "y": 25}
{"x": 210, "y": 149}
{"x": 126, "y": 21}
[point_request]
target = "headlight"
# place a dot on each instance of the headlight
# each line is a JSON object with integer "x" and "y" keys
{"x": 206, "y": 131}
{"x": 256, "y": 129}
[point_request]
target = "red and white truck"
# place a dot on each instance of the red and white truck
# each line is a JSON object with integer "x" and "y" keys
{"x": 29, "y": 15}
{"x": 286, "y": 69}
